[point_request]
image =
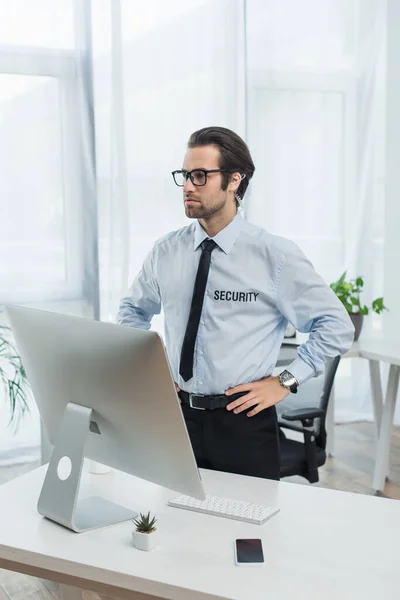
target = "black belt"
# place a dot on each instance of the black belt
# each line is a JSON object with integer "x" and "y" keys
{"x": 201, "y": 402}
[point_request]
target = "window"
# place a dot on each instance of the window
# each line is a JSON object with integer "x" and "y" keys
{"x": 39, "y": 248}
{"x": 301, "y": 134}
{"x": 37, "y": 23}
{"x": 46, "y": 186}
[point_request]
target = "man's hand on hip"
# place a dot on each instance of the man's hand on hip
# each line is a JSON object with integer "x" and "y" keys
{"x": 261, "y": 394}
{"x": 178, "y": 389}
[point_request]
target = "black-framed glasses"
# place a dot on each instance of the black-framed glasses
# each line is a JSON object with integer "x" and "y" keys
{"x": 198, "y": 176}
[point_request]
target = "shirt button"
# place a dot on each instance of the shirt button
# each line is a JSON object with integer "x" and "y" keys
{"x": 200, "y": 382}
{"x": 202, "y": 322}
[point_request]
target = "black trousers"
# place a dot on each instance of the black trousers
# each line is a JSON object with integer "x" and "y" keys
{"x": 225, "y": 441}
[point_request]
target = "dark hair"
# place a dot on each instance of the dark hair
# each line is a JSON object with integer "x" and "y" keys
{"x": 234, "y": 154}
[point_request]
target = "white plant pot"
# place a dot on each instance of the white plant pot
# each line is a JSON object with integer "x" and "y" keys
{"x": 145, "y": 541}
{"x": 98, "y": 468}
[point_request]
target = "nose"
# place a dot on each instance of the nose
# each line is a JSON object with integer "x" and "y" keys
{"x": 188, "y": 187}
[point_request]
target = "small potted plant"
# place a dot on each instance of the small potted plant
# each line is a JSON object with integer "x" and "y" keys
{"x": 348, "y": 292}
{"x": 145, "y": 534}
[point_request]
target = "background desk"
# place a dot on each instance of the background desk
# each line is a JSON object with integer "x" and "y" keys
{"x": 323, "y": 543}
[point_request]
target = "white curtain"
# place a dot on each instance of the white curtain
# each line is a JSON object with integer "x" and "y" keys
{"x": 47, "y": 203}
{"x": 316, "y": 124}
{"x": 365, "y": 250}
{"x": 162, "y": 70}
{"x": 153, "y": 72}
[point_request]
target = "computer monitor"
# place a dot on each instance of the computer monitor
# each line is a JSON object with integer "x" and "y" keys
{"x": 105, "y": 392}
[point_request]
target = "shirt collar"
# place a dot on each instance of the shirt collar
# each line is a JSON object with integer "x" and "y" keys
{"x": 225, "y": 238}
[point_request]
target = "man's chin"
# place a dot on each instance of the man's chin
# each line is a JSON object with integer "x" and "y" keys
{"x": 193, "y": 213}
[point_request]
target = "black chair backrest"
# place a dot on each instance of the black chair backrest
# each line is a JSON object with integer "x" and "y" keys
{"x": 331, "y": 368}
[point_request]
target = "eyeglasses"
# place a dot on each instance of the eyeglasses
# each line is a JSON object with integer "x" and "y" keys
{"x": 198, "y": 176}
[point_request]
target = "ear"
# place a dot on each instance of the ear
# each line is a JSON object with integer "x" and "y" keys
{"x": 235, "y": 181}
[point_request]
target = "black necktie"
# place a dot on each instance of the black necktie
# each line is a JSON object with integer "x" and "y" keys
{"x": 186, "y": 364}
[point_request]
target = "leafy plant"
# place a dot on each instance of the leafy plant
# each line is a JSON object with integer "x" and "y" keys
{"x": 13, "y": 375}
{"x": 145, "y": 523}
{"x": 348, "y": 292}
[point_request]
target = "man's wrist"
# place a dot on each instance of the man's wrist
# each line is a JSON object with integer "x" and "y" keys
{"x": 278, "y": 384}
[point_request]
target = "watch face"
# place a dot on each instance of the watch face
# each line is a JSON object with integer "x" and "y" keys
{"x": 286, "y": 376}
{"x": 288, "y": 380}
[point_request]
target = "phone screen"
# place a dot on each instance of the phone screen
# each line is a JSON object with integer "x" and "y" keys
{"x": 249, "y": 551}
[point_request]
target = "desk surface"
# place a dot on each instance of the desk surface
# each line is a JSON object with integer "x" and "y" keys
{"x": 378, "y": 348}
{"x": 337, "y": 544}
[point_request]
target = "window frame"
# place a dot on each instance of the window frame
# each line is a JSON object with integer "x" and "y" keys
{"x": 66, "y": 67}
{"x": 339, "y": 83}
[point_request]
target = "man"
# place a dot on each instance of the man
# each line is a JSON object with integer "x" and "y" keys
{"x": 228, "y": 289}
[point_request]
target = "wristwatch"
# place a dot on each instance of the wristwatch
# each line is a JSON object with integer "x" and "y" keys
{"x": 289, "y": 381}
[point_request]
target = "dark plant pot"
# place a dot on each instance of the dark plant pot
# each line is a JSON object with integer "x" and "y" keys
{"x": 357, "y": 320}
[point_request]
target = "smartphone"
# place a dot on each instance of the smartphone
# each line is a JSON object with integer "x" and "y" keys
{"x": 249, "y": 552}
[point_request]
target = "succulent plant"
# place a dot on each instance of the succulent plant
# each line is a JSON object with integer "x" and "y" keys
{"x": 145, "y": 523}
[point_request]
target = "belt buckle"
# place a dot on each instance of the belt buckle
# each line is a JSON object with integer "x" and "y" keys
{"x": 191, "y": 401}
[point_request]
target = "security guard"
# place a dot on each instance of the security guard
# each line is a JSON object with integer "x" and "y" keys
{"x": 228, "y": 289}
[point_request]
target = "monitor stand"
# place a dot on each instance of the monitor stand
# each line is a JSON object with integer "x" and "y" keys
{"x": 58, "y": 499}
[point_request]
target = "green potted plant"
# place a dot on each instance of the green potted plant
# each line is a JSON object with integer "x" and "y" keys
{"x": 13, "y": 376}
{"x": 348, "y": 291}
{"x": 145, "y": 534}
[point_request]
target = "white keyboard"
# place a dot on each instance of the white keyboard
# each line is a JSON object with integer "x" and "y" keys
{"x": 225, "y": 507}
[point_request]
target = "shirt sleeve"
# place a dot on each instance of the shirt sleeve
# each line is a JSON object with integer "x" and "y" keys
{"x": 144, "y": 301}
{"x": 310, "y": 305}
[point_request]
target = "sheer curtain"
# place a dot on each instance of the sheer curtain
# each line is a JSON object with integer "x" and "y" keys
{"x": 162, "y": 70}
{"x": 47, "y": 204}
{"x": 365, "y": 252}
{"x": 97, "y": 102}
{"x": 315, "y": 123}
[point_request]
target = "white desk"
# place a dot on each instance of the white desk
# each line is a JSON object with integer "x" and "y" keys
{"x": 323, "y": 543}
{"x": 375, "y": 351}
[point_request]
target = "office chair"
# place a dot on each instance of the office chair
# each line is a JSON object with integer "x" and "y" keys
{"x": 304, "y": 457}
